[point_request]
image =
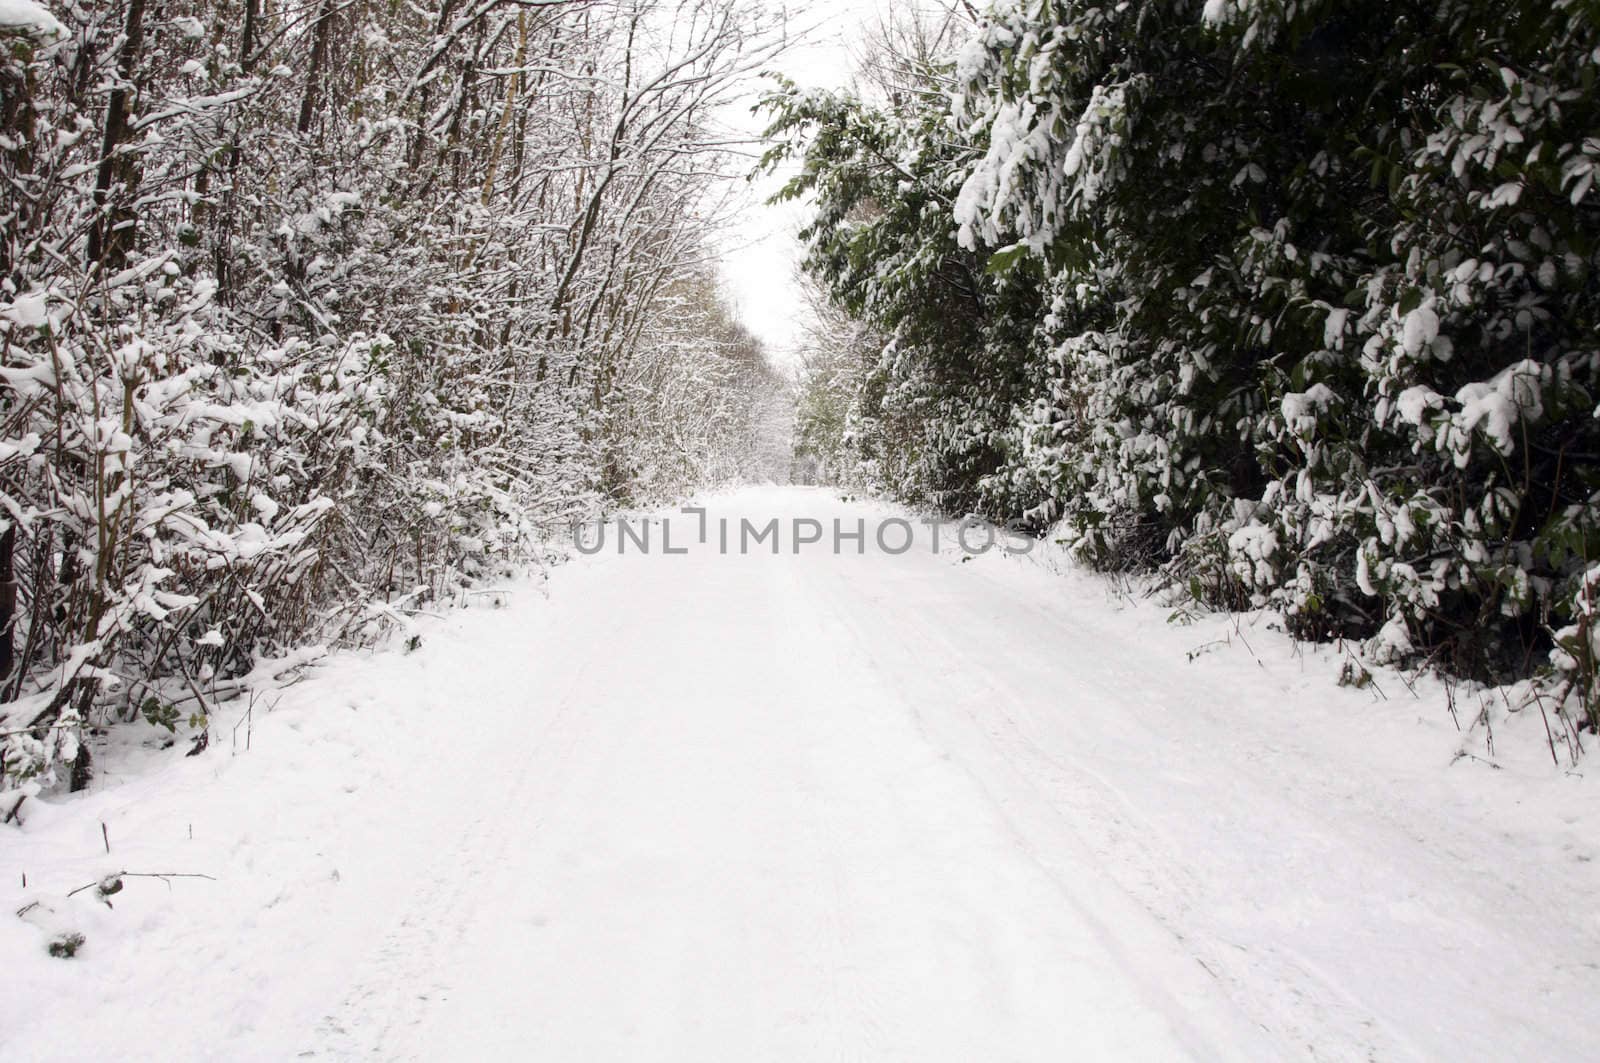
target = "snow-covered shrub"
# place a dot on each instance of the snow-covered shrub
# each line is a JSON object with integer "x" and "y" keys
{"x": 1576, "y": 655}
{"x": 1354, "y": 343}
{"x": 1311, "y": 299}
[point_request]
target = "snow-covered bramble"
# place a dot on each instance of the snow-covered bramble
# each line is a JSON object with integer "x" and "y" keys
{"x": 308, "y": 308}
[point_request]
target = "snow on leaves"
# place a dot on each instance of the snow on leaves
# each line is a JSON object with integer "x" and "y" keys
{"x": 1314, "y": 314}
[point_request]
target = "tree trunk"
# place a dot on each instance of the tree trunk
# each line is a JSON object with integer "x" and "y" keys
{"x": 8, "y": 601}
{"x": 111, "y": 237}
{"x": 319, "y": 59}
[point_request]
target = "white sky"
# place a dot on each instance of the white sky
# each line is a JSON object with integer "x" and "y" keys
{"x": 760, "y": 264}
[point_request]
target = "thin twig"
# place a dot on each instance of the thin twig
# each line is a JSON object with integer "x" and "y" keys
{"x": 165, "y": 876}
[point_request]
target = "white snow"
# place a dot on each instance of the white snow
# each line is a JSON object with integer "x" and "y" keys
{"x": 265, "y": 505}
{"x": 27, "y": 15}
{"x": 1300, "y": 409}
{"x": 26, "y": 311}
{"x": 1333, "y": 328}
{"x": 813, "y": 806}
{"x": 1498, "y": 405}
{"x": 1417, "y": 402}
{"x": 1420, "y": 329}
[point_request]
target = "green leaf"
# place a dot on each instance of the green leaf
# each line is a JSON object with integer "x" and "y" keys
{"x": 160, "y": 714}
{"x": 1006, "y": 259}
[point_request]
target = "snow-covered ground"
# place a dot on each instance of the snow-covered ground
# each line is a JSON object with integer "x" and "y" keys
{"x": 819, "y": 806}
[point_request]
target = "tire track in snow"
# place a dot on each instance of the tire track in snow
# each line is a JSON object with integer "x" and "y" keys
{"x": 870, "y": 624}
{"x": 1115, "y": 848}
{"x": 384, "y": 1000}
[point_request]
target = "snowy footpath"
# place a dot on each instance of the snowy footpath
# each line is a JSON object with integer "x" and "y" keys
{"x": 819, "y": 806}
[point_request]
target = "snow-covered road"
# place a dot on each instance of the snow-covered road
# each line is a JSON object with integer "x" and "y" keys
{"x": 822, "y": 806}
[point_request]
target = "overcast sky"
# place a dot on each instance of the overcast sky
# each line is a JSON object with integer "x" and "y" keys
{"x": 759, "y": 265}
